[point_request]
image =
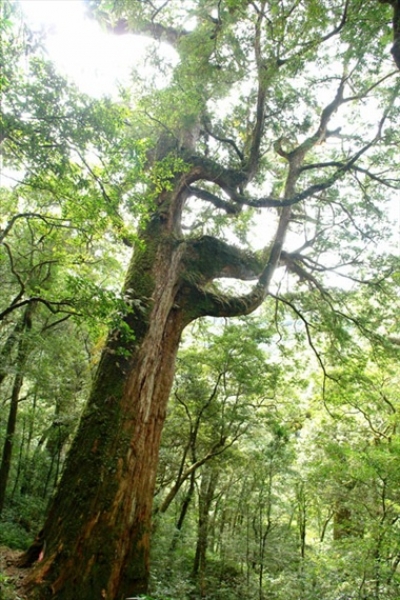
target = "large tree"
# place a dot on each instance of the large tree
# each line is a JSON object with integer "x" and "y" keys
{"x": 268, "y": 125}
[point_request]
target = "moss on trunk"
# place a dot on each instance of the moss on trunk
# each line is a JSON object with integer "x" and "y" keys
{"x": 97, "y": 532}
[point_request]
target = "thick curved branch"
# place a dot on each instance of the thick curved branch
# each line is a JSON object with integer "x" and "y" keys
{"x": 199, "y": 302}
{"x": 225, "y": 305}
{"x": 147, "y": 27}
{"x": 230, "y": 179}
{"x": 222, "y": 305}
{"x": 209, "y": 170}
{"x": 211, "y": 304}
{"x": 209, "y": 258}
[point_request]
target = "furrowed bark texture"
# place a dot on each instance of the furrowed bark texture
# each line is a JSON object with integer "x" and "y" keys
{"x": 97, "y": 530}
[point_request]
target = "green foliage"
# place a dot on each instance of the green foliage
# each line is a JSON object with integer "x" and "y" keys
{"x": 294, "y": 466}
{"x": 7, "y": 591}
{"x": 13, "y": 535}
{"x": 20, "y": 520}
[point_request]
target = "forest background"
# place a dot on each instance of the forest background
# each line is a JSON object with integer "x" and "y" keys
{"x": 265, "y": 144}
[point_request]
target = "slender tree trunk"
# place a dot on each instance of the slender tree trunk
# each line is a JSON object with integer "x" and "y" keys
{"x": 12, "y": 415}
{"x": 184, "y": 508}
{"x": 8, "y": 347}
{"x": 20, "y": 460}
{"x": 9, "y": 441}
{"x": 206, "y": 496}
{"x": 28, "y": 460}
{"x": 302, "y": 518}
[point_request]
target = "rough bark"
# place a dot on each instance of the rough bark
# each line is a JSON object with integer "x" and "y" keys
{"x": 98, "y": 524}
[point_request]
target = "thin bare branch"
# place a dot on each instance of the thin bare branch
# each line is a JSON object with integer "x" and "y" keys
{"x": 228, "y": 207}
{"x": 224, "y": 140}
{"x": 53, "y": 306}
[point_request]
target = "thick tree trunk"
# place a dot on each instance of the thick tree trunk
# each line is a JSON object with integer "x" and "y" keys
{"x": 96, "y": 538}
{"x": 97, "y": 531}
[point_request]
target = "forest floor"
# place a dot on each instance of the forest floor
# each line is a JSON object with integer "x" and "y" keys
{"x": 12, "y": 587}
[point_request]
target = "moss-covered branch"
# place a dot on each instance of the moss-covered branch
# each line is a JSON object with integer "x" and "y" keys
{"x": 209, "y": 258}
{"x": 199, "y": 302}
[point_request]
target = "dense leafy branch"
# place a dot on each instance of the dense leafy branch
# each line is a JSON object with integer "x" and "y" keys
{"x": 147, "y": 26}
{"x": 307, "y": 45}
{"x": 48, "y": 219}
